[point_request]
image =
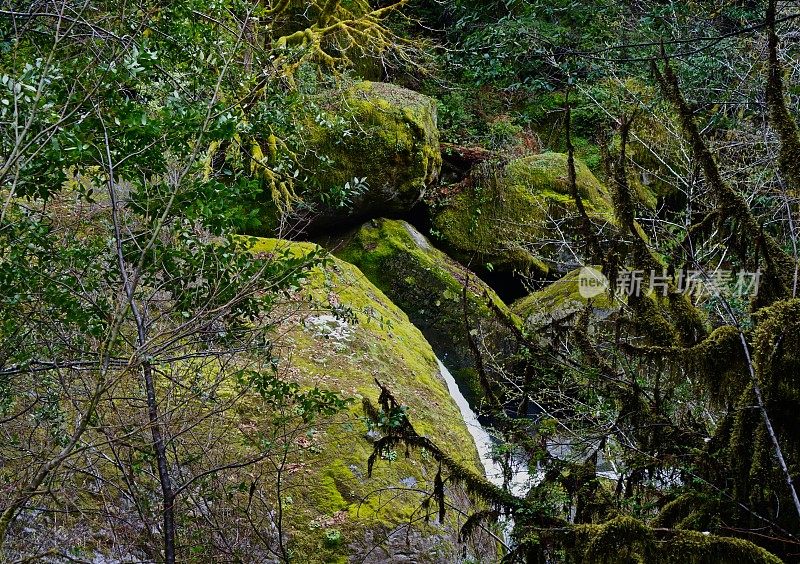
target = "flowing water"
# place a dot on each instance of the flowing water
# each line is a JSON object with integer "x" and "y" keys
{"x": 521, "y": 479}
{"x": 483, "y": 441}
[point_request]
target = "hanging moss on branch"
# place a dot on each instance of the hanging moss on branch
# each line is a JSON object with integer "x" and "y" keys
{"x": 780, "y": 118}
{"x": 540, "y": 536}
{"x": 625, "y": 539}
{"x": 341, "y": 35}
{"x": 734, "y": 214}
{"x": 262, "y": 159}
{"x": 400, "y": 432}
{"x": 338, "y": 35}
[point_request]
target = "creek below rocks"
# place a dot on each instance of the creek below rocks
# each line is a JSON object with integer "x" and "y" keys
{"x": 520, "y": 479}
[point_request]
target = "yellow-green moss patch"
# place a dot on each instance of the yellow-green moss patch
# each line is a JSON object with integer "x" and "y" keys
{"x": 427, "y": 285}
{"x": 513, "y": 215}
{"x": 379, "y": 132}
{"x": 376, "y": 340}
{"x": 560, "y": 299}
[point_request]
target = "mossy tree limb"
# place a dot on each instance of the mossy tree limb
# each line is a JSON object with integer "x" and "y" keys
{"x": 733, "y": 209}
{"x": 539, "y": 534}
{"x": 339, "y": 36}
{"x": 780, "y": 117}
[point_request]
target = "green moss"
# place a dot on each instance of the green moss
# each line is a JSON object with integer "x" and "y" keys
{"x": 644, "y": 193}
{"x": 694, "y": 547}
{"x": 545, "y": 114}
{"x": 504, "y": 213}
{"x": 327, "y": 495}
{"x": 718, "y": 365}
{"x": 382, "y": 344}
{"x": 560, "y": 299}
{"x": 548, "y": 172}
{"x": 625, "y": 539}
{"x": 381, "y": 132}
{"x": 294, "y": 249}
{"x": 428, "y": 286}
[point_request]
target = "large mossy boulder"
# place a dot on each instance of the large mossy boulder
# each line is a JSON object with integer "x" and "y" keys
{"x": 519, "y": 216}
{"x": 428, "y": 286}
{"x": 372, "y": 149}
{"x": 340, "y": 333}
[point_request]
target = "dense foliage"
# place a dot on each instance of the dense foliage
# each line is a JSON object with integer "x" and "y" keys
{"x": 141, "y": 142}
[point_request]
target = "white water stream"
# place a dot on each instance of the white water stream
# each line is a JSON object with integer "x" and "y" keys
{"x": 521, "y": 480}
{"x": 483, "y": 441}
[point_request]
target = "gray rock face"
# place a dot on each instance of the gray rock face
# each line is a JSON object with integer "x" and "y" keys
{"x": 412, "y": 546}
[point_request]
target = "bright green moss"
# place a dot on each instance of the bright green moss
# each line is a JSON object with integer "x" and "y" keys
{"x": 381, "y": 132}
{"x": 383, "y": 344}
{"x": 428, "y": 286}
{"x": 548, "y": 172}
{"x": 625, "y": 539}
{"x": 559, "y": 299}
{"x": 505, "y": 214}
{"x": 327, "y": 496}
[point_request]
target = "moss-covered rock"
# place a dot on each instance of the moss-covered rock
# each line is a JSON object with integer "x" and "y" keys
{"x": 517, "y": 215}
{"x": 427, "y": 285}
{"x": 248, "y": 439}
{"x": 381, "y": 133}
{"x": 560, "y": 300}
{"x": 337, "y": 511}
